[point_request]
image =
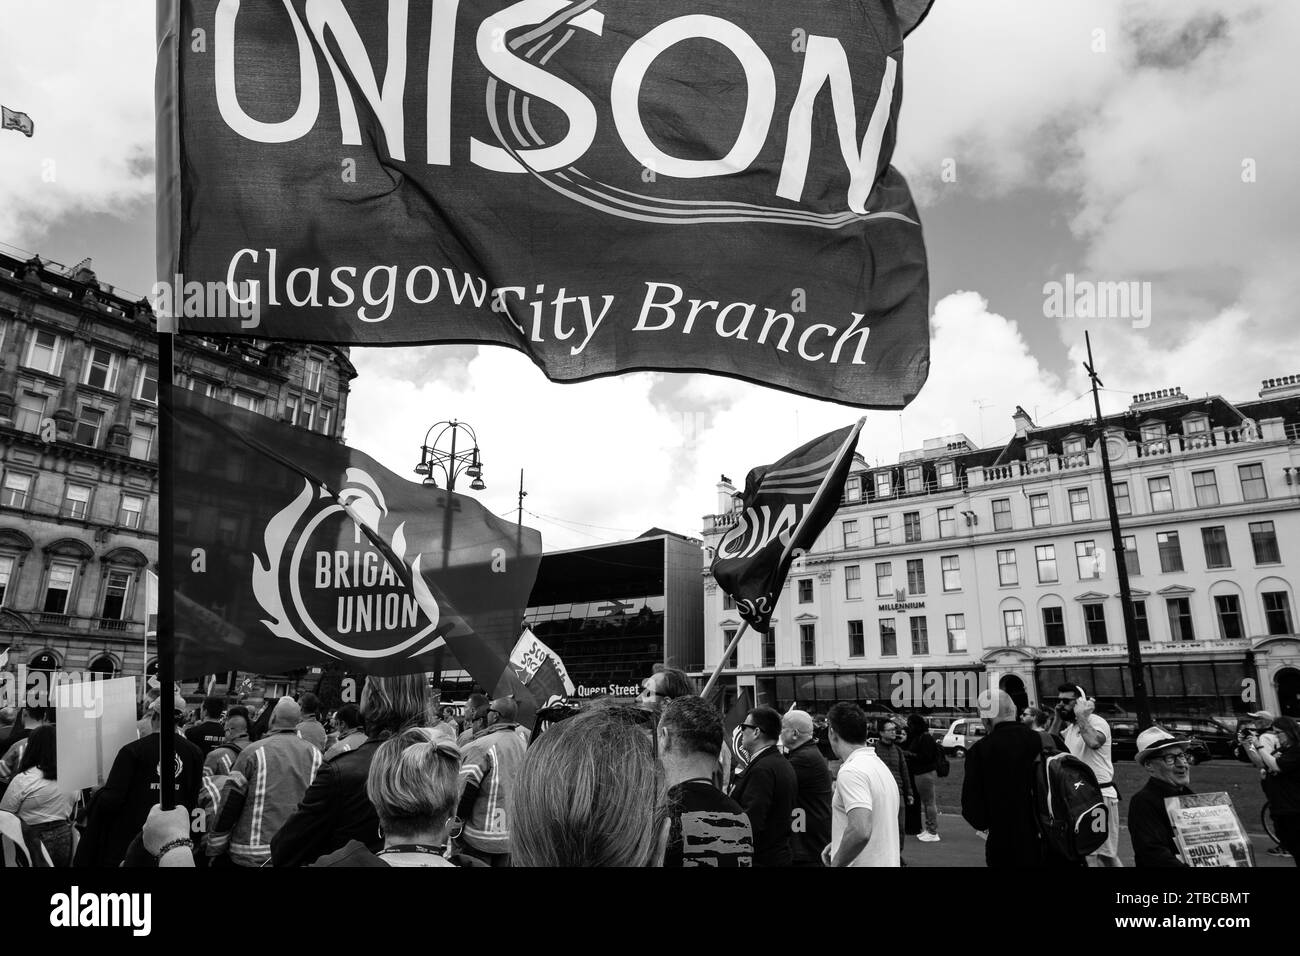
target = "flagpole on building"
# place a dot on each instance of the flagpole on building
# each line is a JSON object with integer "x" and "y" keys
{"x": 1140, "y": 702}
{"x": 713, "y": 678}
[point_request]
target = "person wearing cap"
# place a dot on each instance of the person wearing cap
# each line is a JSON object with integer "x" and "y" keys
{"x": 810, "y": 828}
{"x": 118, "y": 810}
{"x": 265, "y": 786}
{"x": 490, "y": 764}
{"x": 1165, "y": 759}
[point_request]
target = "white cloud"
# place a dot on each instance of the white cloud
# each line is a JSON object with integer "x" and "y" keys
{"x": 84, "y": 72}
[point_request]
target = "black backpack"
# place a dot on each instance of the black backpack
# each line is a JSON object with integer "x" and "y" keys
{"x": 941, "y": 767}
{"x": 1068, "y": 804}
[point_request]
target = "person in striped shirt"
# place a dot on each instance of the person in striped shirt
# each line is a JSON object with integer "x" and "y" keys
{"x": 490, "y": 765}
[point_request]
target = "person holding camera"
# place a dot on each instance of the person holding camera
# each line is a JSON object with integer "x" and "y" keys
{"x": 1088, "y": 737}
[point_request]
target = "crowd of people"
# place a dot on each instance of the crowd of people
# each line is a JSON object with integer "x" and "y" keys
{"x": 394, "y": 780}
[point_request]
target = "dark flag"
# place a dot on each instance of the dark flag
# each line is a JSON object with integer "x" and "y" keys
{"x": 291, "y": 549}
{"x": 12, "y": 119}
{"x": 731, "y": 722}
{"x": 785, "y": 506}
{"x": 604, "y": 187}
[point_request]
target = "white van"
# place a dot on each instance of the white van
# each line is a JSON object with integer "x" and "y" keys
{"x": 961, "y": 736}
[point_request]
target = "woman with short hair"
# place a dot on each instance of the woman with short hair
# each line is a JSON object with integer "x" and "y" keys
{"x": 591, "y": 793}
{"x": 35, "y": 798}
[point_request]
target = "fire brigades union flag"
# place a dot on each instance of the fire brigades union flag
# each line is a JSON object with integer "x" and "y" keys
{"x": 603, "y": 185}
{"x": 291, "y": 549}
{"x": 784, "y": 507}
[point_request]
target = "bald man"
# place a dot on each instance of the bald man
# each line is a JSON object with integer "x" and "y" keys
{"x": 810, "y": 825}
{"x": 997, "y": 792}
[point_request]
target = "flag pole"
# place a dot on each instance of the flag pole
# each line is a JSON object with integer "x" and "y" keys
{"x": 713, "y": 678}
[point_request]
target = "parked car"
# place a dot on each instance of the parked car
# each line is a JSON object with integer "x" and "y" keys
{"x": 1208, "y": 739}
{"x": 961, "y": 736}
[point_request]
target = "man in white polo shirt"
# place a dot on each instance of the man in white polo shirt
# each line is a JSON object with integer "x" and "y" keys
{"x": 1087, "y": 736}
{"x": 864, "y": 809}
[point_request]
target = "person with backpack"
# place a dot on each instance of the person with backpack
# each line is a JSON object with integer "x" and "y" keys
{"x": 1164, "y": 757}
{"x": 923, "y": 759}
{"x": 1088, "y": 737}
{"x": 997, "y": 794}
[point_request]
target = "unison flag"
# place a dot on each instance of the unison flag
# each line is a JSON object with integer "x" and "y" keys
{"x": 604, "y": 185}
{"x": 12, "y": 119}
{"x": 540, "y": 669}
{"x": 785, "y": 506}
{"x": 291, "y": 549}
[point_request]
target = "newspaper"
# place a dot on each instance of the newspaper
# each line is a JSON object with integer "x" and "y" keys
{"x": 1208, "y": 831}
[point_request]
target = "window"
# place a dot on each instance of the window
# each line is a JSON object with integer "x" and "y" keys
{"x": 916, "y": 576}
{"x": 101, "y": 369}
{"x": 308, "y": 413}
{"x": 956, "y": 627}
{"x": 911, "y": 526}
{"x": 1228, "y": 608}
{"x": 805, "y": 591}
{"x": 1277, "y": 612}
{"x": 1045, "y": 558}
{"x": 1080, "y": 506}
{"x": 1008, "y": 573}
{"x": 131, "y": 514}
{"x": 888, "y": 638}
{"x": 728, "y": 602}
{"x": 30, "y": 411}
{"x": 16, "y": 489}
{"x": 141, "y": 440}
{"x": 880, "y": 529}
{"x": 1086, "y": 559}
{"x": 45, "y": 352}
{"x": 951, "y": 569}
{"x": 58, "y": 588}
{"x": 883, "y": 484}
{"x": 1153, "y": 431}
{"x": 913, "y": 479}
{"x": 1037, "y": 452}
{"x": 1196, "y": 426}
{"x": 852, "y": 583}
{"x": 857, "y": 640}
{"x": 1252, "y": 482}
{"x": 885, "y": 579}
{"x": 947, "y": 474}
{"x": 117, "y": 587}
{"x": 1013, "y": 624}
{"x": 768, "y": 645}
{"x": 146, "y": 384}
{"x": 853, "y": 489}
{"x": 850, "y": 534}
{"x": 807, "y": 645}
{"x": 1002, "y": 514}
{"x": 1054, "y": 626}
{"x": 1162, "y": 494}
{"x": 1215, "y": 541}
{"x": 76, "y": 501}
{"x": 920, "y": 636}
{"x": 728, "y": 635}
{"x": 1140, "y": 623}
{"x": 1131, "y": 563}
{"x": 89, "y": 421}
{"x": 1263, "y": 538}
{"x": 291, "y": 409}
{"x": 1040, "y": 512}
{"x": 326, "y": 415}
{"x": 1206, "y": 489}
{"x": 1171, "y": 554}
{"x": 249, "y": 401}
{"x": 1094, "y": 622}
{"x": 1123, "y": 506}
{"x": 947, "y": 523}
{"x": 314, "y": 370}
{"x": 1180, "y": 619}
{"x": 6, "y": 572}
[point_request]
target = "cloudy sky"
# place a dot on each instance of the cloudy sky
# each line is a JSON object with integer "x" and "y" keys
{"x": 1116, "y": 141}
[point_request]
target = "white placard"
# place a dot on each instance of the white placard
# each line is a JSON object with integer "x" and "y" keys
{"x": 94, "y": 720}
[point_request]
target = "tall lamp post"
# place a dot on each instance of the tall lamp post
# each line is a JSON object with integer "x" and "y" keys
{"x": 439, "y": 454}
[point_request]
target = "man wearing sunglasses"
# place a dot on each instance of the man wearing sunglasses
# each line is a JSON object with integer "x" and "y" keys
{"x": 1087, "y": 736}
{"x": 1165, "y": 758}
{"x": 768, "y": 789}
{"x": 489, "y": 767}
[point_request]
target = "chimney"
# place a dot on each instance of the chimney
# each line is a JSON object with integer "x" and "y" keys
{"x": 725, "y": 490}
{"x": 1160, "y": 398}
{"x": 1022, "y": 421}
{"x": 1286, "y": 386}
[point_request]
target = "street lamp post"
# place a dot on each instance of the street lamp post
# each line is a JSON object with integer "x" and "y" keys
{"x": 452, "y": 464}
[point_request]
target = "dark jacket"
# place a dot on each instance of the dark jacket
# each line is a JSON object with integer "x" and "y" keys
{"x": 813, "y": 797}
{"x": 767, "y": 790}
{"x": 921, "y": 753}
{"x": 118, "y": 810}
{"x": 1149, "y": 827}
{"x": 334, "y": 810}
{"x": 206, "y": 735}
{"x": 997, "y": 794}
{"x": 358, "y": 854}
